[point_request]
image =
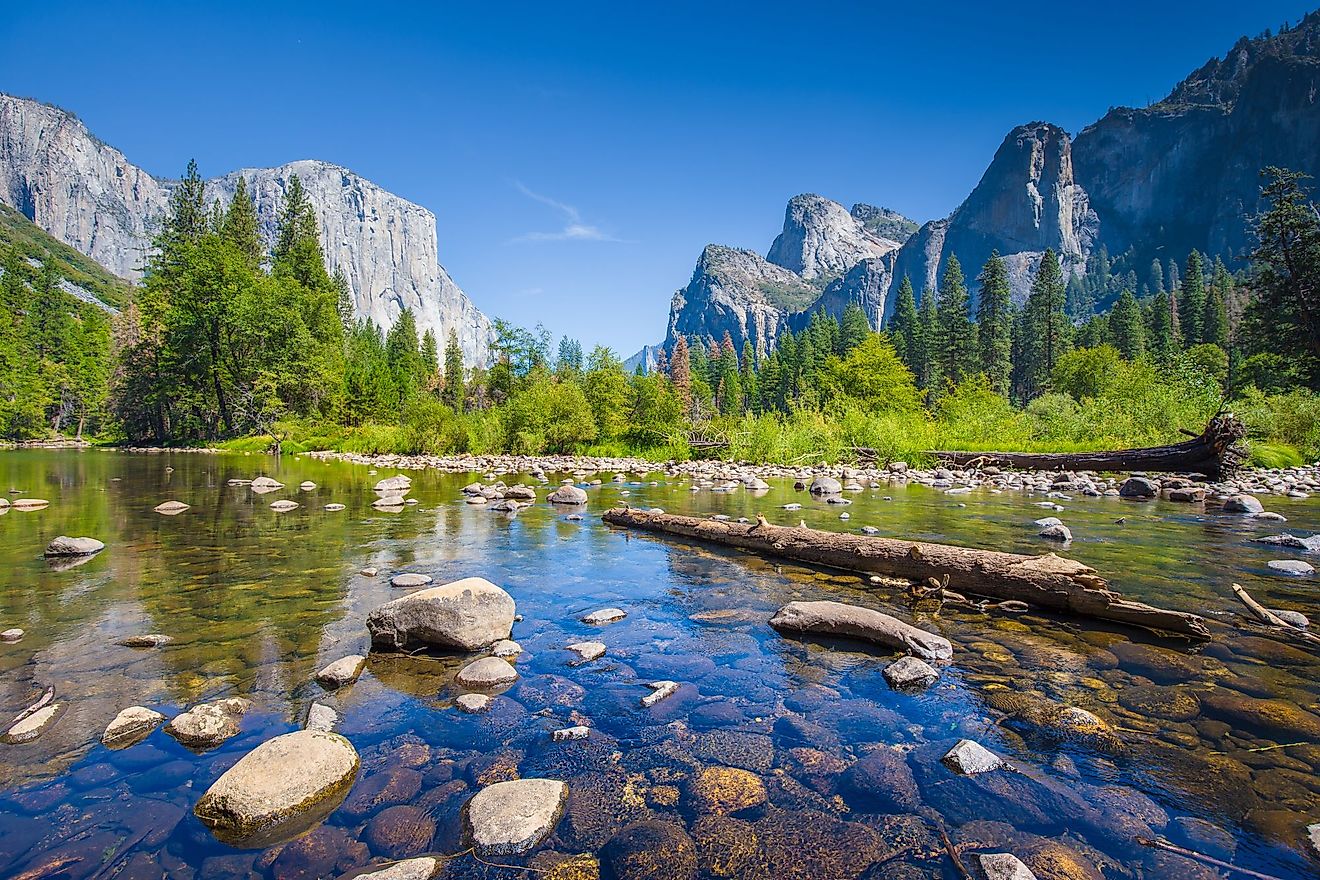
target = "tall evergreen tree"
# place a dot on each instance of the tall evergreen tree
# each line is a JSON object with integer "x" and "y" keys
{"x": 239, "y": 226}
{"x": 994, "y": 320}
{"x": 1046, "y": 326}
{"x": 455, "y": 391}
{"x": 904, "y": 325}
{"x": 1214, "y": 319}
{"x": 854, "y": 329}
{"x": 1126, "y": 326}
{"x": 298, "y": 252}
{"x": 927, "y": 322}
{"x": 430, "y": 358}
{"x": 1191, "y": 303}
{"x": 343, "y": 297}
{"x": 747, "y": 375}
{"x": 955, "y": 339}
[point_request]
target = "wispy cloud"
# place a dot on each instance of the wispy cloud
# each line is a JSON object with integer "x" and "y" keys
{"x": 573, "y": 229}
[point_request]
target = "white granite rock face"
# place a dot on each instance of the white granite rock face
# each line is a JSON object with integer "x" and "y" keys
{"x": 88, "y": 195}
{"x": 821, "y": 239}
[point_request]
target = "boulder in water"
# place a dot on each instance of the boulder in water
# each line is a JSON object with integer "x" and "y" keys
{"x": 130, "y": 726}
{"x": 488, "y": 672}
{"x": 66, "y": 546}
{"x": 466, "y": 615}
{"x": 343, "y": 671}
{"x": 509, "y": 818}
{"x": 275, "y": 784}
{"x": 209, "y": 724}
{"x": 170, "y": 508}
{"x": 567, "y": 495}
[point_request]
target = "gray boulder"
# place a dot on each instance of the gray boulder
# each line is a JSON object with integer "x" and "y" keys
{"x": 130, "y": 726}
{"x": 567, "y": 495}
{"x": 509, "y": 818}
{"x": 466, "y": 615}
{"x": 1248, "y": 504}
{"x": 1004, "y": 866}
{"x": 66, "y": 546}
{"x": 307, "y": 771}
{"x": 343, "y": 671}
{"x": 1138, "y": 487}
{"x": 488, "y": 672}
{"x": 910, "y": 672}
{"x": 969, "y": 758}
{"x": 823, "y": 485}
{"x": 209, "y": 724}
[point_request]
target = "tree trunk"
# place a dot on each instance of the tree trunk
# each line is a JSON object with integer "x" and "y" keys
{"x": 1214, "y": 453}
{"x": 1048, "y": 581}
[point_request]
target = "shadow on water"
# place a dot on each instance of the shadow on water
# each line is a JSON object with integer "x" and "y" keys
{"x": 1213, "y": 747}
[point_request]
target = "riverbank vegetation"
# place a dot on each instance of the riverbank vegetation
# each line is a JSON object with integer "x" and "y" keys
{"x": 228, "y": 342}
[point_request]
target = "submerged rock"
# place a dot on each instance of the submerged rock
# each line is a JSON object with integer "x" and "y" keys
{"x": 854, "y": 621}
{"x": 284, "y": 779}
{"x": 652, "y": 850}
{"x": 1310, "y": 544}
{"x": 467, "y": 615}
{"x": 1004, "y": 866}
{"x": 473, "y": 704}
{"x": 910, "y": 672}
{"x": 147, "y": 640}
{"x": 66, "y": 546}
{"x": 411, "y": 579}
{"x": 1294, "y": 567}
{"x": 509, "y": 818}
{"x": 131, "y": 726}
{"x": 420, "y": 868}
{"x": 724, "y": 790}
{"x": 1271, "y": 717}
{"x": 321, "y": 717}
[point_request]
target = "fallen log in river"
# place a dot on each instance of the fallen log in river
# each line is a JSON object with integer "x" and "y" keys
{"x": 1214, "y": 452}
{"x": 1049, "y": 582}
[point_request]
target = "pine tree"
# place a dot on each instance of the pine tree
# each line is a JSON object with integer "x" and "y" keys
{"x": 569, "y": 360}
{"x": 1156, "y": 277}
{"x": 1160, "y": 340}
{"x": 343, "y": 297}
{"x": 454, "y": 393}
{"x": 239, "y": 226}
{"x": 1046, "y": 326}
{"x": 747, "y": 375}
{"x": 955, "y": 337}
{"x": 430, "y": 357}
{"x": 1176, "y": 336}
{"x": 903, "y": 324}
{"x": 298, "y": 252}
{"x": 403, "y": 355}
{"x": 853, "y": 329}
{"x": 1191, "y": 304}
{"x": 1126, "y": 326}
{"x": 994, "y": 319}
{"x": 1214, "y": 319}
{"x": 927, "y": 329}
{"x": 187, "y": 219}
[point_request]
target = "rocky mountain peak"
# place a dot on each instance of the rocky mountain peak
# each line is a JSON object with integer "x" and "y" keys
{"x": 884, "y": 222}
{"x": 1219, "y": 82}
{"x": 89, "y": 196}
{"x": 821, "y": 239}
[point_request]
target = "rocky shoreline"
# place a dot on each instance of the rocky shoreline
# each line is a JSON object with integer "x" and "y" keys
{"x": 1296, "y": 483}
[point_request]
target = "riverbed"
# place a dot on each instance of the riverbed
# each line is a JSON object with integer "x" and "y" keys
{"x": 1217, "y": 748}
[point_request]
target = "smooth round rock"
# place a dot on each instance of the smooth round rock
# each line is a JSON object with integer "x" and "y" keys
{"x": 509, "y": 818}
{"x": 130, "y": 726}
{"x": 12, "y": 635}
{"x": 66, "y": 546}
{"x": 488, "y": 672}
{"x": 146, "y": 640}
{"x": 170, "y": 508}
{"x": 334, "y": 507}
{"x": 30, "y": 503}
{"x": 467, "y": 615}
{"x": 307, "y": 485}
{"x": 278, "y": 782}
{"x": 567, "y": 495}
{"x": 411, "y": 579}
{"x": 33, "y": 725}
{"x": 604, "y": 615}
{"x": 284, "y": 505}
{"x": 473, "y": 704}
{"x": 343, "y": 671}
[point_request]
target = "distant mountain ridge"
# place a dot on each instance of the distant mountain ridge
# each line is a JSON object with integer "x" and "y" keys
{"x": 87, "y": 194}
{"x": 1158, "y": 182}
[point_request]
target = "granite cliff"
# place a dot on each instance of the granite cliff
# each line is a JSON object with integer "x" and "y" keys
{"x": 87, "y": 194}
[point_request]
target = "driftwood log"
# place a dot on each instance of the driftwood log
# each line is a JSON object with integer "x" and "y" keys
{"x": 1214, "y": 452}
{"x": 1049, "y": 582}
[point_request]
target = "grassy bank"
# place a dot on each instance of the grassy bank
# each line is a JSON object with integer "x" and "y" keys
{"x": 1284, "y": 430}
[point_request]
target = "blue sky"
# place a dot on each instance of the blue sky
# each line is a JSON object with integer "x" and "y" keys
{"x": 578, "y": 157}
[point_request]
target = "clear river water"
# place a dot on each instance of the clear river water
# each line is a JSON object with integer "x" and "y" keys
{"x": 1219, "y": 743}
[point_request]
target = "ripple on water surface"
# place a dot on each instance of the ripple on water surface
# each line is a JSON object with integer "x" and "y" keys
{"x": 773, "y": 758}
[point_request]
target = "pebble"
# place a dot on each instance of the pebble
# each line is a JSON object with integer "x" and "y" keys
{"x": 335, "y": 506}
{"x": 370, "y": 572}
{"x": 150, "y": 640}
{"x": 170, "y": 508}
{"x": 284, "y": 505}
{"x": 411, "y": 579}
{"x": 11, "y": 635}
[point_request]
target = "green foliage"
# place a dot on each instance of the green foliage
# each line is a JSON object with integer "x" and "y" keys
{"x": 994, "y": 318}
{"x": 872, "y": 375}
{"x": 954, "y": 341}
{"x": 549, "y": 416}
{"x": 905, "y": 327}
{"x": 29, "y": 243}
